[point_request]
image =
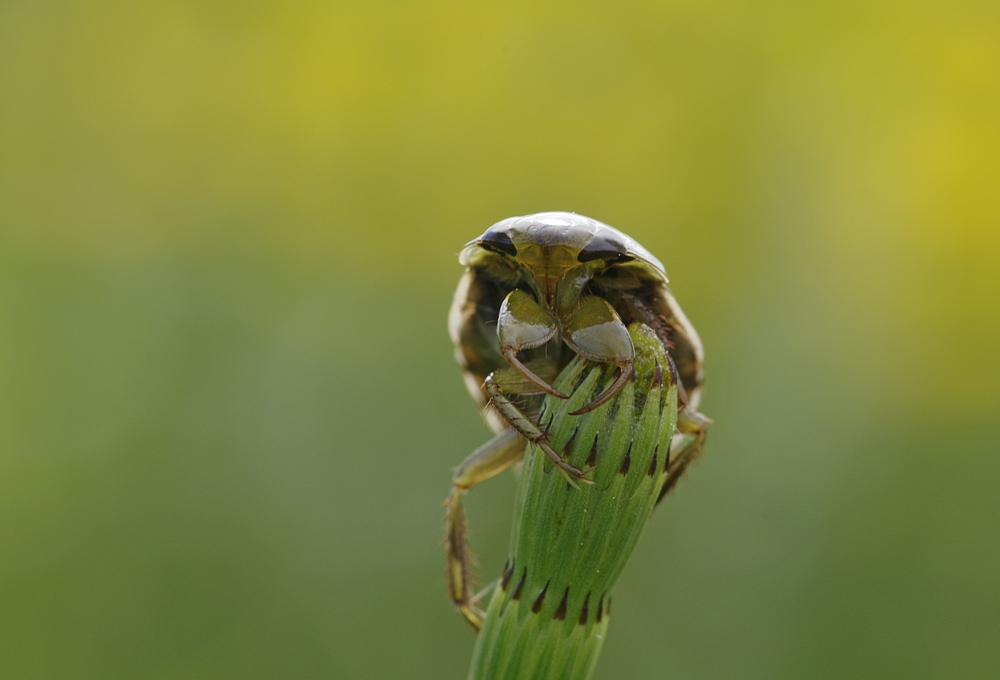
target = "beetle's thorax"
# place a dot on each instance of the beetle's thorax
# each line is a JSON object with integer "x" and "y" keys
{"x": 548, "y": 266}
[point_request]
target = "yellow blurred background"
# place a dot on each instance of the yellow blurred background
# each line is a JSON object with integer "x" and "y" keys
{"x": 228, "y": 404}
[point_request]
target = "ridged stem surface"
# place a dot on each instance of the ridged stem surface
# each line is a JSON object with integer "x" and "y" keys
{"x": 548, "y": 617}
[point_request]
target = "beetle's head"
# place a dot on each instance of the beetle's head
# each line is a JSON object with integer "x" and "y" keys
{"x": 550, "y": 245}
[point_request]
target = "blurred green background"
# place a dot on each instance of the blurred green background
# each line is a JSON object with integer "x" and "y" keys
{"x": 228, "y": 404}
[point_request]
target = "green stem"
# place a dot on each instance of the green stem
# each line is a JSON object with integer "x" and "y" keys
{"x": 548, "y": 617}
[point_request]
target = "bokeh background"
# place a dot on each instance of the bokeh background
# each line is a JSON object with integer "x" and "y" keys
{"x": 228, "y": 404}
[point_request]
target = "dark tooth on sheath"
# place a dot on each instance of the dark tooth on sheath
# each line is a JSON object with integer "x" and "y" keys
{"x": 560, "y": 614}
{"x": 675, "y": 378}
{"x": 627, "y": 462}
{"x": 520, "y": 586}
{"x": 537, "y": 607}
{"x": 507, "y": 573}
{"x": 583, "y": 612}
{"x": 652, "y": 465}
{"x": 600, "y": 609}
{"x": 592, "y": 458}
{"x": 568, "y": 449}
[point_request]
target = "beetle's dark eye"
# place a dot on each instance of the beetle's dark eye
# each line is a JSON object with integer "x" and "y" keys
{"x": 498, "y": 242}
{"x": 603, "y": 248}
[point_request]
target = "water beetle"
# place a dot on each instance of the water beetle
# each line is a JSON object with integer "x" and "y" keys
{"x": 537, "y": 291}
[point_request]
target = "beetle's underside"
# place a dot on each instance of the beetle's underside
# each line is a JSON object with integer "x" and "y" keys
{"x": 648, "y": 302}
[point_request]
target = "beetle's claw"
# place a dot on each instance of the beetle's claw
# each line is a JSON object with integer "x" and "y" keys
{"x": 473, "y": 615}
{"x": 576, "y": 472}
{"x": 568, "y": 478}
{"x": 572, "y": 479}
{"x": 510, "y": 354}
{"x": 622, "y": 376}
{"x": 583, "y": 479}
{"x": 568, "y": 470}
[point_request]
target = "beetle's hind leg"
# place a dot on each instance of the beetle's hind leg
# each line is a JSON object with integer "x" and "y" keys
{"x": 488, "y": 460}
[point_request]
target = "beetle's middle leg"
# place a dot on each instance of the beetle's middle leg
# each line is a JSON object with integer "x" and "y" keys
{"x": 686, "y": 446}
{"x": 487, "y": 461}
{"x": 490, "y": 459}
{"x": 505, "y": 381}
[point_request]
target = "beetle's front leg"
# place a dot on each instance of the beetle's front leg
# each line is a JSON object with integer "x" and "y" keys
{"x": 506, "y": 381}
{"x": 487, "y": 461}
{"x": 686, "y": 446}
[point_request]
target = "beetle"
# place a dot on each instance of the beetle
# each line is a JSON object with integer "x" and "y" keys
{"x": 538, "y": 293}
